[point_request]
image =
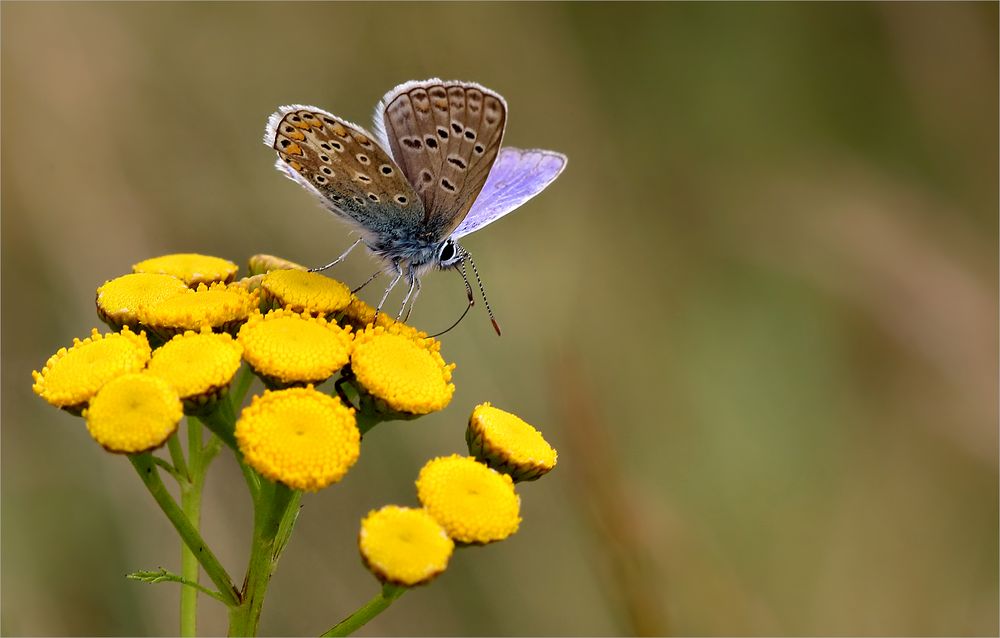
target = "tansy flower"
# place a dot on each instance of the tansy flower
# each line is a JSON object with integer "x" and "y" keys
{"x": 507, "y": 444}
{"x": 261, "y": 264}
{"x": 119, "y": 300}
{"x": 218, "y": 306}
{"x": 360, "y": 315}
{"x": 199, "y": 366}
{"x": 404, "y": 546}
{"x": 287, "y": 348}
{"x": 403, "y": 375}
{"x": 192, "y": 268}
{"x": 71, "y": 377}
{"x": 304, "y": 291}
{"x": 301, "y": 437}
{"x": 133, "y": 413}
{"x": 474, "y": 503}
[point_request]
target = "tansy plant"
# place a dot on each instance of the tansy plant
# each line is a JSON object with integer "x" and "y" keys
{"x": 187, "y": 338}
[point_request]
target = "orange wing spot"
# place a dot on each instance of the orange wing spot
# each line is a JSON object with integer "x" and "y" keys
{"x": 294, "y": 149}
{"x": 296, "y": 166}
{"x": 300, "y": 124}
{"x": 340, "y": 130}
{"x": 359, "y": 138}
{"x": 296, "y": 135}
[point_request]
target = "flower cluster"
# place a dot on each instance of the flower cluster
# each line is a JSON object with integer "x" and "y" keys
{"x": 182, "y": 329}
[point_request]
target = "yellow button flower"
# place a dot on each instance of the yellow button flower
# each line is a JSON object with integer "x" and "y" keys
{"x": 360, "y": 315}
{"x": 286, "y": 348}
{"x": 261, "y": 264}
{"x": 218, "y": 306}
{"x": 304, "y": 291}
{"x": 404, "y": 546}
{"x": 119, "y": 300}
{"x": 133, "y": 413}
{"x": 507, "y": 444}
{"x": 72, "y": 376}
{"x": 301, "y": 437}
{"x": 474, "y": 503}
{"x": 193, "y": 268}
{"x": 199, "y": 366}
{"x": 403, "y": 374}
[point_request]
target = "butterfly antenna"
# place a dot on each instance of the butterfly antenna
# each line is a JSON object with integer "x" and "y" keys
{"x": 472, "y": 302}
{"x": 482, "y": 289}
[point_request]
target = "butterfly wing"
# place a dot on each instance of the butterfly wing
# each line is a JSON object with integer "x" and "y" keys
{"x": 445, "y": 137}
{"x": 343, "y": 165}
{"x": 517, "y": 176}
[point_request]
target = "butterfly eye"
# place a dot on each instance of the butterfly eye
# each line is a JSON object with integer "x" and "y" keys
{"x": 449, "y": 255}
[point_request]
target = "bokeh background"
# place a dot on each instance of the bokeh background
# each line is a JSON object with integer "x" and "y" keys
{"x": 757, "y": 315}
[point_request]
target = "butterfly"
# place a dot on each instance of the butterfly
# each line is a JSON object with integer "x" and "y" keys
{"x": 433, "y": 172}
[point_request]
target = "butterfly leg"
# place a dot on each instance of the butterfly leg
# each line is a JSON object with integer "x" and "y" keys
{"x": 370, "y": 279}
{"x": 338, "y": 259}
{"x": 392, "y": 284}
{"x": 411, "y": 277}
{"x": 412, "y": 301}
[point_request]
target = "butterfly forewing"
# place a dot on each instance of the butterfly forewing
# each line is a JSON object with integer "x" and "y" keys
{"x": 445, "y": 137}
{"x": 342, "y": 164}
{"x": 516, "y": 176}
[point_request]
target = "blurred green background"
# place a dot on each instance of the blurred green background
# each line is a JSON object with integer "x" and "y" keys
{"x": 757, "y": 315}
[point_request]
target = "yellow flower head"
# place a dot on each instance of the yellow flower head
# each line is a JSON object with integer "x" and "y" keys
{"x": 304, "y": 291}
{"x": 360, "y": 315}
{"x": 218, "y": 306}
{"x": 404, "y": 546}
{"x": 507, "y": 444}
{"x": 287, "y": 348}
{"x": 403, "y": 374}
{"x": 71, "y": 377}
{"x": 194, "y": 269}
{"x": 133, "y": 413}
{"x": 260, "y": 264}
{"x": 301, "y": 437}
{"x": 199, "y": 366}
{"x": 474, "y": 503}
{"x": 119, "y": 300}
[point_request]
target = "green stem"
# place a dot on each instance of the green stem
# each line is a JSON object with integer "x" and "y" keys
{"x": 220, "y": 426}
{"x": 372, "y": 608}
{"x": 177, "y": 455}
{"x": 275, "y": 503}
{"x": 191, "y": 504}
{"x": 146, "y": 469}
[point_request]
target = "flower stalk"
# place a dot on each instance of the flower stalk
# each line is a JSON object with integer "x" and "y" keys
{"x": 388, "y": 594}
{"x": 146, "y": 468}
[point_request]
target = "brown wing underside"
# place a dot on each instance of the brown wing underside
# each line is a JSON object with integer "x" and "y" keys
{"x": 445, "y": 137}
{"x": 353, "y": 174}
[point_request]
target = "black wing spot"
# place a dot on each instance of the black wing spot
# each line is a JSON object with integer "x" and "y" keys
{"x": 326, "y": 169}
{"x": 425, "y": 176}
{"x": 455, "y": 126}
{"x": 362, "y": 177}
{"x": 325, "y": 146}
{"x": 448, "y": 186}
{"x": 386, "y": 169}
{"x": 479, "y": 149}
{"x": 320, "y": 179}
{"x": 285, "y": 143}
{"x": 401, "y": 200}
{"x": 337, "y": 146}
{"x": 363, "y": 159}
{"x": 373, "y": 197}
{"x": 457, "y": 161}
{"x": 431, "y": 142}
{"x": 329, "y": 121}
{"x": 470, "y": 134}
{"x": 442, "y": 132}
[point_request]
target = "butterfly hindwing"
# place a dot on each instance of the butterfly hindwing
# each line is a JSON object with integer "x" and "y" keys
{"x": 345, "y": 167}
